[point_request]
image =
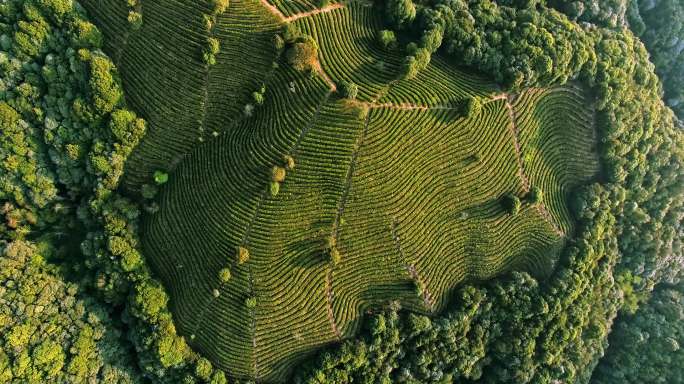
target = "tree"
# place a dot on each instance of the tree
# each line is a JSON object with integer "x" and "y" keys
{"x": 160, "y": 177}
{"x": 242, "y": 255}
{"x": 536, "y": 195}
{"x": 289, "y": 162}
{"x": 278, "y": 174}
{"x": 400, "y": 13}
{"x": 224, "y": 275}
{"x": 302, "y": 55}
{"x": 349, "y": 90}
{"x": 471, "y": 107}
{"x": 511, "y": 203}
{"x": 211, "y": 49}
{"x": 387, "y": 39}
{"x": 274, "y": 188}
{"x": 410, "y": 67}
{"x": 220, "y": 6}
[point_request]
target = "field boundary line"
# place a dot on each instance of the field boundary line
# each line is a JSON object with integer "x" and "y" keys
{"x": 329, "y": 297}
{"x": 411, "y": 269}
{"x": 541, "y": 208}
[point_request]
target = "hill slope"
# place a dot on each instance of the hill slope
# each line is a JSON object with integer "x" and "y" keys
{"x": 404, "y": 186}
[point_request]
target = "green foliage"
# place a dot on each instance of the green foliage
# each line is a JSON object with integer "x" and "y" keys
{"x": 471, "y": 107}
{"x": 387, "y": 39}
{"x": 302, "y": 55}
{"x": 335, "y": 256}
{"x": 274, "y": 188}
{"x": 400, "y": 13}
{"x": 224, "y": 275}
{"x": 220, "y": 6}
{"x": 278, "y": 174}
{"x": 161, "y": 177}
{"x": 149, "y": 191}
{"x": 106, "y": 90}
{"x": 511, "y": 203}
{"x": 535, "y": 196}
{"x": 289, "y": 162}
{"x": 69, "y": 136}
{"x": 135, "y": 19}
{"x": 349, "y": 90}
{"x": 251, "y": 302}
{"x": 210, "y": 50}
{"x": 50, "y": 334}
{"x": 242, "y": 255}
{"x": 646, "y": 347}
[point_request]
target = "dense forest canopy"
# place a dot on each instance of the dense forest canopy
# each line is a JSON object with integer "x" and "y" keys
{"x": 78, "y": 302}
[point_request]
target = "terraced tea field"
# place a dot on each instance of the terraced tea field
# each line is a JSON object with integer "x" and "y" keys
{"x": 184, "y": 100}
{"x": 398, "y": 183}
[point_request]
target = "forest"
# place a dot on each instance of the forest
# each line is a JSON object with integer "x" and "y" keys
{"x": 390, "y": 191}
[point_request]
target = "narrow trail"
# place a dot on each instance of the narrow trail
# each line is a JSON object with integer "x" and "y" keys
{"x": 348, "y": 179}
{"x": 541, "y": 208}
{"x": 331, "y": 84}
{"x": 417, "y": 107}
{"x": 329, "y": 298}
{"x": 411, "y": 269}
{"x": 327, "y": 8}
{"x": 286, "y": 19}
{"x": 513, "y": 127}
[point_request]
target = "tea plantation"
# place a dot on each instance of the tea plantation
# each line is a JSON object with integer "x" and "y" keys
{"x": 399, "y": 184}
{"x": 337, "y": 191}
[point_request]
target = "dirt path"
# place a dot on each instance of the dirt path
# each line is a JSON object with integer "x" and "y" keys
{"x": 331, "y": 84}
{"x": 417, "y": 107}
{"x": 541, "y": 208}
{"x": 313, "y": 12}
{"x": 329, "y": 298}
{"x": 286, "y": 19}
{"x": 513, "y": 127}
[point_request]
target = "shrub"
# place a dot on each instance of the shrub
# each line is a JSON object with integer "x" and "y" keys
{"x": 289, "y": 162}
{"x": 471, "y": 107}
{"x": 278, "y": 174}
{"x": 160, "y": 177}
{"x": 220, "y": 6}
{"x": 224, "y": 275}
{"x": 274, "y": 188}
{"x": 511, "y": 203}
{"x": 216, "y": 293}
{"x": 291, "y": 32}
{"x": 135, "y": 19}
{"x": 251, "y": 302}
{"x": 349, "y": 90}
{"x": 302, "y": 55}
{"x": 330, "y": 242}
{"x": 536, "y": 195}
{"x": 242, "y": 255}
{"x": 335, "y": 256}
{"x": 387, "y": 39}
{"x": 410, "y": 67}
{"x": 210, "y": 50}
{"x": 258, "y": 98}
{"x": 278, "y": 43}
{"x": 203, "y": 369}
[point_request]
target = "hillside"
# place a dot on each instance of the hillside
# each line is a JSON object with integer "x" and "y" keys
{"x": 337, "y": 192}
{"x": 408, "y": 226}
